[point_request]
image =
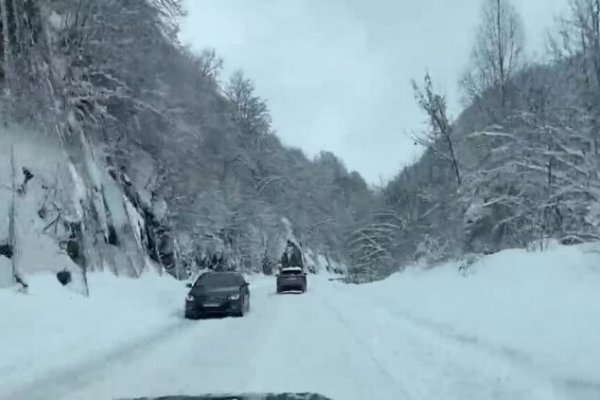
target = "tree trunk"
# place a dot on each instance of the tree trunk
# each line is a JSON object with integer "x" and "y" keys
{"x": 500, "y": 53}
{"x": 453, "y": 157}
{"x": 11, "y": 215}
{"x": 5, "y": 42}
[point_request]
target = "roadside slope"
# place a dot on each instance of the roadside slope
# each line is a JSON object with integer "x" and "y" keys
{"x": 535, "y": 309}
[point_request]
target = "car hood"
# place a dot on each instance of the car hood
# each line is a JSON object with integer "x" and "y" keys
{"x": 263, "y": 396}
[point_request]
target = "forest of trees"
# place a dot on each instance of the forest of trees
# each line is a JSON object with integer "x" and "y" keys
{"x": 111, "y": 83}
{"x": 519, "y": 166}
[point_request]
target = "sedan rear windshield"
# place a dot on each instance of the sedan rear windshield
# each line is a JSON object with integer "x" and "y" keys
{"x": 219, "y": 280}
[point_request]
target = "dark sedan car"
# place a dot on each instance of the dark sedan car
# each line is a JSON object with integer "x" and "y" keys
{"x": 291, "y": 278}
{"x": 218, "y": 293}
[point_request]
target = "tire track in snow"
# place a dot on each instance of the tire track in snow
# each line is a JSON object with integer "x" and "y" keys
{"x": 364, "y": 347}
{"x": 309, "y": 349}
{"x": 57, "y": 384}
{"x": 449, "y": 353}
{"x": 211, "y": 357}
{"x": 448, "y": 332}
{"x": 565, "y": 387}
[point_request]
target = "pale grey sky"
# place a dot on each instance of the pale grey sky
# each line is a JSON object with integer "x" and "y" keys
{"x": 336, "y": 73}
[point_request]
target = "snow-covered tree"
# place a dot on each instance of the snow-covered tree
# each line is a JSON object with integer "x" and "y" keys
{"x": 439, "y": 137}
{"x": 497, "y": 53}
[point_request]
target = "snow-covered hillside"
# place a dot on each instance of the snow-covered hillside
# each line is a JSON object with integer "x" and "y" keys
{"x": 125, "y": 222}
{"x": 514, "y": 325}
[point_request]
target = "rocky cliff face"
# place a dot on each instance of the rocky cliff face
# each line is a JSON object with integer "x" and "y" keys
{"x": 46, "y": 227}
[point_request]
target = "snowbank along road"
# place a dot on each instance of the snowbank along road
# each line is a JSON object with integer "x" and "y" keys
{"x": 329, "y": 340}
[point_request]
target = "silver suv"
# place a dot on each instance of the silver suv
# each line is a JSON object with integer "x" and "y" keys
{"x": 291, "y": 278}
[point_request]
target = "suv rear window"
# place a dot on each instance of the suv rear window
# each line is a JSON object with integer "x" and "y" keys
{"x": 291, "y": 272}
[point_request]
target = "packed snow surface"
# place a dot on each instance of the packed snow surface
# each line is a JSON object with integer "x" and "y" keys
{"x": 514, "y": 325}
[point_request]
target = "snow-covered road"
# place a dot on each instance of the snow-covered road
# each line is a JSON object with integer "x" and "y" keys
{"x": 328, "y": 341}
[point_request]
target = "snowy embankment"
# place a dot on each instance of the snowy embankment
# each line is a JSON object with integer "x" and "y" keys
{"x": 52, "y": 327}
{"x": 540, "y": 310}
